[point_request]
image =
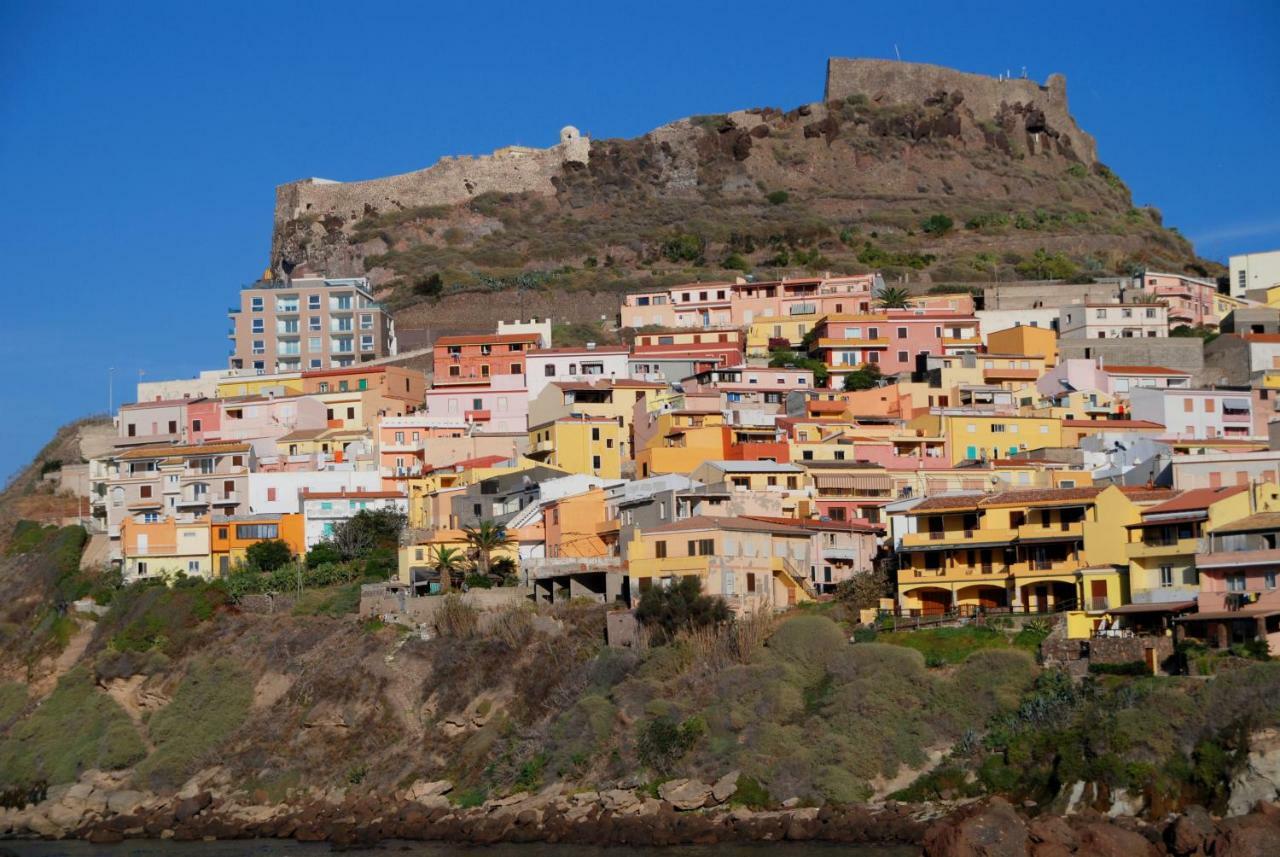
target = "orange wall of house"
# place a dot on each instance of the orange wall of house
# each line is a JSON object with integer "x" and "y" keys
{"x": 571, "y": 525}
{"x": 291, "y": 531}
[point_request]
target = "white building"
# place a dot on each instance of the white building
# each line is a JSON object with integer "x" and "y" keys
{"x": 203, "y": 387}
{"x": 994, "y": 320}
{"x": 276, "y": 493}
{"x": 324, "y": 510}
{"x": 1113, "y": 321}
{"x": 588, "y": 363}
{"x": 1254, "y": 271}
{"x": 541, "y": 328}
{"x": 1195, "y": 414}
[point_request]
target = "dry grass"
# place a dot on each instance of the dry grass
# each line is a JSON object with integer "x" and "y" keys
{"x": 456, "y": 618}
{"x": 716, "y": 647}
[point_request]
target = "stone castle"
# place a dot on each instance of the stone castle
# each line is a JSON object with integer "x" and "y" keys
{"x": 450, "y": 180}
{"x": 892, "y": 82}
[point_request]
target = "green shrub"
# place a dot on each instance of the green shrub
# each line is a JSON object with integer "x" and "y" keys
{"x": 470, "y": 798}
{"x": 269, "y": 554}
{"x": 333, "y": 601}
{"x": 430, "y": 286}
{"x": 663, "y": 742}
{"x": 684, "y": 247}
{"x": 937, "y": 225}
{"x": 1078, "y": 171}
{"x": 809, "y": 641}
{"x": 324, "y": 553}
{"x": 153, "y": 616}
{"x": 27, "y": 536}
{"x": 750, "y": 793}
{"x": 211, "y": 703}
{"x": 1128, "y": 668}
{"x": 668, "y": 609}
{"x": 13, "y": 699}
{"x": 736, "y": 262}
{"x": 777, "y": 197}
{"x": 478, "y": 581}
{"x": 942, "y": 646}
{"x": 77, "y": 728}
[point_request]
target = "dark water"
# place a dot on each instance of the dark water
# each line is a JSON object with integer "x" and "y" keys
{"x": 286, "y": 848}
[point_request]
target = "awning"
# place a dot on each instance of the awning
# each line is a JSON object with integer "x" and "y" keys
{"x": 1179, "y": 519}
{"x": 1238, "y": 404}
{"x": 1061, "y": 537}
{"x": 1153, "y": 607}
{"x": 859, "y": 483}
{"x": 1228, "y": 614}
{"x": 946, "y": 546}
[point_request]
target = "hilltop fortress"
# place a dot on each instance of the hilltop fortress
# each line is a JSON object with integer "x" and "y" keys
{"x": 891, "y": 82}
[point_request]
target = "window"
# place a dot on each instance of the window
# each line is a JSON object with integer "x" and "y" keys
{"x": 313, "y": 323}
{"x": 257, "y": 326}
{"x": 271, "y": 494}
{"x": 351, "y": 413}
{"x": 903, "y": 357}
{"x": 1166, "y": 575}
{"x": 144, "y": 491}
{"x": 131, "y": 430}
{"x": 595, "y": 462}
{"x": 1235, "y": 583}
{"x": 195, "y": 425}
{"x": 257, "y": 531}
{"x": 902, "y": 333}
{"x": 549, "y": 370}
{"x": 366, "y": 322}
{"x": 660, "y": 550}
{"x": 702, "y": 547}
{"x": 516, "y": 369}
{"x": 751, "y": 581}
{"x": 366, "y": 342}
{"x": 1102, "y": 313}
{"x": 1269, "y": 579}
{"x": 1188, "y": 405}
{"x": 313, "y": 344}
{"x": 313, "y": 302}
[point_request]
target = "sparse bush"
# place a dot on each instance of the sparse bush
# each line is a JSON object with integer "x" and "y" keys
{"x": 455, "y": 617}
{"x": 937, "y": 225}
{"x": 684, "y": 247}
{"x": 735, "y": 262}
{"x": 668, "y": 609}
{"x": 662, "y": 742}
{"x": 429, "y": 286}
{"x": 777, "y": 197}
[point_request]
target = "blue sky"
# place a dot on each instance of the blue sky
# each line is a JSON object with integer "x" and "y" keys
{"x": 140, "y": 143}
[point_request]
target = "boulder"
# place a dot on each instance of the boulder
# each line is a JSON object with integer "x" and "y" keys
{"x": 1189, "y": 833}
{"x": 1101, "y": 839}
{"x": 1254, "y": 835}
{"x": 422, "y": 789}
{"x": 189, "y": 807}
{"x": 1260, "y": 778}
{"x": 619, "y": 800}
{"x": 685, "y": 794}
{"x": 725, "y": 787}
{"x": 125, "y": 801}
{"x": 991, "y": 830}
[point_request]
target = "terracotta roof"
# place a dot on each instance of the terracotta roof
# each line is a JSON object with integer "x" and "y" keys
{"x": 1262, "y": 337}
{"x": 706, "y": 522}
{"x": 1043, "y": 495}
{"x": 159, "y": 403}
{"x": 1142, "y": 370}
{"x": 353, "y": 370}
{"x": 480, "y": 461}
{"x": 829, "y": 407}
{"x": 349, "y": 495}
{"x": 1256, "y": 521}
{"x": 182, "y": 451}
{"x": 811, "y": 524}
{"x": 953, "y": 502}
{"x": 488, "y": 339}
{"x": 1143, "y": 494}
{"x": 1194, "y": 500}
{"x": 1133, "y": 424}
{"x": 599, "y": 349}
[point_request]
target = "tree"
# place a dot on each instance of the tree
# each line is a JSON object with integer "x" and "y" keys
{"x": 666, "y": 610}
{"x": 322, "y": 554}
{"x": 430, "y": 286}
{"x": 1147, "y": 298}
{"x": 268, "y": 555}
{"x": 1044, "y": 265}
{"x": 368, "y": 530}
{"x": 937, "y": 225}
{"x": 863, "y": 591}
{"x": 894, "y": 297}
{"x": 684, "y": 247}
{"x": 448, "y": 562}
{"x": 487, "y": 537}
{"x": 864, "y": 377}
{"x": 783, "y": 358}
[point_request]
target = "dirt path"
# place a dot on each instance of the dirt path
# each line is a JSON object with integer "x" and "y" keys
{"x": 53, "y": 669}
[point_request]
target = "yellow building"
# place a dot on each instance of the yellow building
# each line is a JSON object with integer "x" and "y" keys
{"x": 282, "y": 384}
{"x": 1026, "y": 341}
{"x": 580, "y": 444}
{"x": 793, "y": 328}
{"x": 975, "y": 435}
{"x": 680, "y": 441}
{"x": 752, "y": 564}
{"x": 1017, "y": 550}
{"x": 614, "y": 399}
{"x": 164, "y": 549}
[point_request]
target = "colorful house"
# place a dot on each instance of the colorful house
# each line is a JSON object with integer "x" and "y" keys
{"x": 581, "y": 444}
{"x": 232, "y": 537}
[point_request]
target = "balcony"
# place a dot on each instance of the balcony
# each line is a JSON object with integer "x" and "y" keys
{"x": 197, "y": 500}
{"x": 229, "y": 499}
{"x": 1035, "y": 532}
{"x": 543, "y": 446}
{"x": 482, "y": 416}
{"x": 1161, "y": 547}
{"x": 1235, "y": 415}
{"x": 152, "y": 550}
{"x": 960, "y": 538}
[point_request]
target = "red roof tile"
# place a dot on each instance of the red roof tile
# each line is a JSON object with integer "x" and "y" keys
{"x": 1196, "y": 499}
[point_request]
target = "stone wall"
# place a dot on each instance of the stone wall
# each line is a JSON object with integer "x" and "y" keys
{"x": 450, "y": 180}
{"x": 887, "y": 81}
{"x": 1185, "y": 353}
{"x": 396, "y": 604}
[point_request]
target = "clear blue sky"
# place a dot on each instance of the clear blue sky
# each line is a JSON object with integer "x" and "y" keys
{"x": 140, "y": 142}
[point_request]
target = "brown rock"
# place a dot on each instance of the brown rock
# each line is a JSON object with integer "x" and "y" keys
{"x": 1252, "y": 835}
{"x": 685, "y": 794}
{"x": 189, "y": 807}
{"x": 1102, "y": 839}
{"x": 993, "y": 830}
{"x": 1188, "y": 834}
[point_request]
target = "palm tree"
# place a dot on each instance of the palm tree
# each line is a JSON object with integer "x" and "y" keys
{"x": 894, "y": 297}
{"x": 487, "y": 537}
{"x": 1147, "y": 298}
{"x": 446, "y": 560}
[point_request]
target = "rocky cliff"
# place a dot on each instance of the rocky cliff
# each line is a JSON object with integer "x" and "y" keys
{"x": 928, "y": 174}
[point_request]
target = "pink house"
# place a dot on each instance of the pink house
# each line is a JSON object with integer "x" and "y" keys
{"x": 838, "y": 550}
{"x": 739, "y": 303}
{"x": 500, "y": 406}
{"x": 1190, "y": 299}
{"x": 1239, "y": 600}
{"x": 891, "y": 339}
{"x": 402, "y": 442}
{"x": 159, "y": 421}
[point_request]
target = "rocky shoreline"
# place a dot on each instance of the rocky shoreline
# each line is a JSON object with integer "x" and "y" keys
{"x": 685, "y": 812}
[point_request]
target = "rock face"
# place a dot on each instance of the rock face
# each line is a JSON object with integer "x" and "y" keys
{"x": 1260, "y": 779}
{"x": 685, "y": 794}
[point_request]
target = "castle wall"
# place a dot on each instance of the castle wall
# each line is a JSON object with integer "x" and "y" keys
{"x": 910, "y": 83}
{"x": 450, "y": 180}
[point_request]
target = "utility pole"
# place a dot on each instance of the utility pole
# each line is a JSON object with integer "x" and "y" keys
{"x": 111, "y": 377}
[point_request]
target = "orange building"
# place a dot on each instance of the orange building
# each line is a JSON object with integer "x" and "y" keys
{"x": 230, "y": 538}
{"x": 475, "y": 359}
{"x": 579, "y": 525}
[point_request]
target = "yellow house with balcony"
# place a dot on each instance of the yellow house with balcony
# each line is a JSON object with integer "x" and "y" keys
{"x": 793, "y": 328}
{"x": 680, "y": 441}
{"x": 754, "y": 565}
{"x": 1016, "y": 550}
{"x": 976, "y": 434}
{"x": 580, "y": 444}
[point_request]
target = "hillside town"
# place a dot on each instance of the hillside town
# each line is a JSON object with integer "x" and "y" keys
{"x": 1107, "y": 451}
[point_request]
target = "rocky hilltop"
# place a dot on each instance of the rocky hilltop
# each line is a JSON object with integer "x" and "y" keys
{"x": 925, "y": 173}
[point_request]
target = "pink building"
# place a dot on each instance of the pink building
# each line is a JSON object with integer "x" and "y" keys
{"x": 1190, "y": 299}
{"x": 737, "y": 304}
{"x": 1074, "y": 374}
{"x": 402, "y": 443}
{"x": 838, "y": 550}
{"x": 891, "y": 339}
{"x": 159, "y": 421}
{"x": 1239, "y": 601}
{"x": 500, "y": 406}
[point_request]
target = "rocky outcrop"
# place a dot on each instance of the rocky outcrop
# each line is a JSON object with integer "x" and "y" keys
{"x": 1260, "y": 778}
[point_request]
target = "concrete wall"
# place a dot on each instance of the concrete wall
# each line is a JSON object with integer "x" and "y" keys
{"x": 376, "y": 600}
{"x": 1185, "y": 353}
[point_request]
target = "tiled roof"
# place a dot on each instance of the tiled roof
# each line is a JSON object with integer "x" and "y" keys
{"x": 1143, "y": 494}
{"x": 1133, "y": 424}
{"x": 481, "y": 461}
{"x": 1196, "y": 499}
{"x": 1142, "y": 370}
{"x": 354, "y": 370}
{"x": 488, "y": 339}
{"x": 182, "y": 451}
{"x": 1256, "y": 521}
{"x": 706, "y": 522}
{"x": 948, "y": 502}
{"x": 1262, "y": 337}
{"x": 1043, "y": 495}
